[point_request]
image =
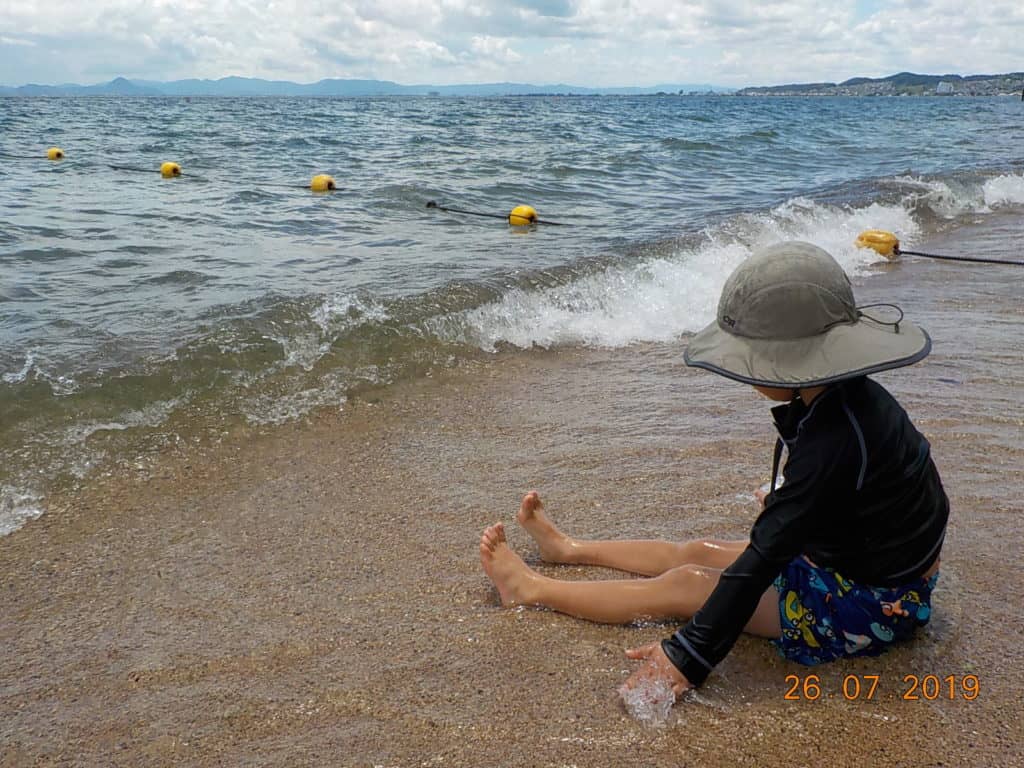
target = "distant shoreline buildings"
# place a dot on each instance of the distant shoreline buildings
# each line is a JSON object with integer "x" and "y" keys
{"x": 902, "y": 84}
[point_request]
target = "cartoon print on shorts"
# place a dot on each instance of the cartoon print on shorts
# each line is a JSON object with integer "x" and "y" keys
{"x": 882, "y": 632}
{"x": 825, "y": 629}
{"x": 845, "y": 585}
{"x": 825, "y": 616}
{"x": 799, "y": 620}
{"x": 855, "y": 643}
{"x": 814, "y": 581}
{"x": 895, "y": 609}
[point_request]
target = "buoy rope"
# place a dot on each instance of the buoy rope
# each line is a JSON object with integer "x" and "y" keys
{"x": 283, "y": 186}
{"x": 137, "y": 169}
{"x": 134, "y": 169}
{"x": 432, "y": 204}
{"x": 976, "y": 259}
{"x": 447, "y": 209}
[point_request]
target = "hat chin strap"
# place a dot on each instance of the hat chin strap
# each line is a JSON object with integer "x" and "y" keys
{"x": 894, "y": 324}
{"x": 777, "y": 456}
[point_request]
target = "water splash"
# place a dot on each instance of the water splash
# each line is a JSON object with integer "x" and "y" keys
{"x": 1004, "y": 190}
{"x": 60, "y": 385}
{"x": 17, "y": 377}
{"x": 649, "y": 701}
{"x": 952, "y": 197}
{"x": 17, "y": 507}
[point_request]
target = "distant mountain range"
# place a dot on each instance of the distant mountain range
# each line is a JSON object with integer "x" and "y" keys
{"x": 902, "y": 84}
{"x": 248, "y": 86}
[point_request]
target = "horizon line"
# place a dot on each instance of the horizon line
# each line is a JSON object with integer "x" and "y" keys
{"x": 492, "y": 83}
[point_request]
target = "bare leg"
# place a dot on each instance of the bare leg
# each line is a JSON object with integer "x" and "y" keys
{"x": 649, "y": 557}
{"x": 677, "y": 593}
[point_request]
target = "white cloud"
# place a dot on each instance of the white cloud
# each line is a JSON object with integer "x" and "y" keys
{"x": 494, "y": 49}
{"x": 15, "y": 41}
{"x": 587, "y": 42}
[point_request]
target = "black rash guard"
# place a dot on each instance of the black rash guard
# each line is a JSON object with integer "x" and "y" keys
{"x": 861, "y": 495}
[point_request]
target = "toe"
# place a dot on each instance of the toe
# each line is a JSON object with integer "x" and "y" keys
{"x": 531, "y": 503}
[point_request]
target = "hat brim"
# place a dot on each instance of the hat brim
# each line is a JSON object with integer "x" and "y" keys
{"x": 843, "y": 352}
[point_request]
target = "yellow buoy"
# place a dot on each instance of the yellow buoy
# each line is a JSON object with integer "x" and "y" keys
{"x": 322, "y": 183}
{"x": 522, "y": 216}
{"x": 55, "y": 153}
{"x": 878, "y": 240}
{"x": 170, "y": 170}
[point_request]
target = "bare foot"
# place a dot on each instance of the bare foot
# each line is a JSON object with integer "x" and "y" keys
{"x": 514, "y": 579}
{"x": 555, "y": 546}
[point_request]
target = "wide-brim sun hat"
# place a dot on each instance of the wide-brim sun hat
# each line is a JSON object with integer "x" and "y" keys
{"x": 787, "y": 318}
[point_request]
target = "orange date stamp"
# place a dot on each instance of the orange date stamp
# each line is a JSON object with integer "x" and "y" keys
{"x": 869, "y": 687}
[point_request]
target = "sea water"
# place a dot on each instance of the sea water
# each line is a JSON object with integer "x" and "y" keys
{"x": 137, "y": 312}
{"x": 649, "y": 701}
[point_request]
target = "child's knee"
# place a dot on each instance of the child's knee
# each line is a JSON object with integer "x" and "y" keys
{"x": 691, "y": 550}
{"x": 698, "y": 551}
{"x": 690, "y": 574}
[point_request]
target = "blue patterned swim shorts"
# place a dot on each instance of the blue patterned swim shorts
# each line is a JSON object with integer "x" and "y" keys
{"x": 825, "y": 616}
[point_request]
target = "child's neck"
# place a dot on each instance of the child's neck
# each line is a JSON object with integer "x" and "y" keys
{"x": 785, "y": 394}
{"x": 808, "y": 394}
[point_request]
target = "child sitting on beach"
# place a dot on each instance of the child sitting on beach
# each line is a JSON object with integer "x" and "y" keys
{"x": 844, "y": 555}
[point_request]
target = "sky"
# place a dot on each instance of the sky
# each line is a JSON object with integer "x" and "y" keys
{"x": 731, "y": 43}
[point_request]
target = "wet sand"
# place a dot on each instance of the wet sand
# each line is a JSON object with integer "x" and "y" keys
{"x": 311, "y": 595}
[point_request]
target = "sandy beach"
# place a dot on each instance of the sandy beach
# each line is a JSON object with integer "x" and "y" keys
{"x": 311, "y": 595}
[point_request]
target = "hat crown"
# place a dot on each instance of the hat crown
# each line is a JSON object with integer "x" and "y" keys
{"x": 791, "y": 290}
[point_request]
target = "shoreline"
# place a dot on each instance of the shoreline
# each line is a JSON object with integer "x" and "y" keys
{"x": 311, "y": 595}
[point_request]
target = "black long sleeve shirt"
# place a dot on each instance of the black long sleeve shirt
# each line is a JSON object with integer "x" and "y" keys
{"x": 861, "y": 495}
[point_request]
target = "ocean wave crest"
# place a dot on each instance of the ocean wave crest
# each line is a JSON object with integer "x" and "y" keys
{"x": 955, "y": 196}
{"x": 1004, "y": 190}
{"x": 661, "y": 298}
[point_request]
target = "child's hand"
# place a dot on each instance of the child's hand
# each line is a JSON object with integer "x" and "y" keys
{"x": 656, "y": 666}
{"x": 760, "y": 494}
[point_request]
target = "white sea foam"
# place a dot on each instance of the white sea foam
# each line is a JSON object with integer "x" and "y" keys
{"x": 342, "y": 311}
{"x": 651, "y": 301}
{"x": 649, "y": 701}
{"x": 69, "y": 451}
{"x": 59, "y": 384}
{"x": 333, "y": 316}
{"x": 1004, "y": 190}
{"x": 280, "y": 409}
{"x": 17, "y": 507}
{"x": 834, "y": 228}
{"x": 952, "y": 198}
{"x": 661, "y": 298}
{"x": 20, "y": 376}
{"x": 153, "y": 415}
{"x": 946, "y": 199}
{"x": 302, "y": 349}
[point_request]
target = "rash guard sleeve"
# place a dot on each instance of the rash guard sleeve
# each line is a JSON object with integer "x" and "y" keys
{"x": 815, "y": 470}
